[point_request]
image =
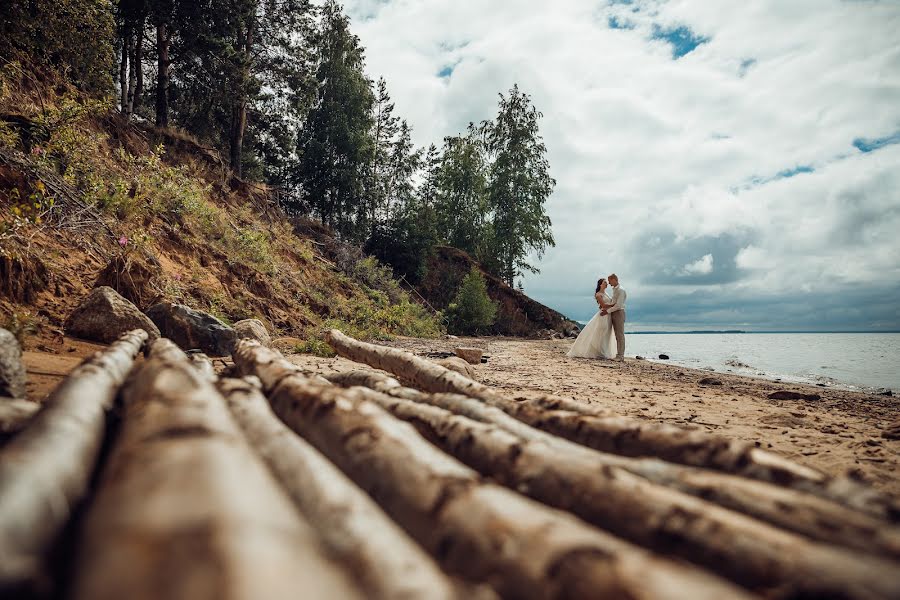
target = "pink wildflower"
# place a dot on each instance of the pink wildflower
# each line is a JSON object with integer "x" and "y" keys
{"x": 123, "y": 241}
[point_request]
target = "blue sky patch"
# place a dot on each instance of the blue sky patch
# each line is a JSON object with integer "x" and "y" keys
{"x": 617, "y": 23}
{"x": 683, "y": 40}
{"x": 746, "y": 64}
{"x": 870, "y": 144}
{"x": 787, "y": 173}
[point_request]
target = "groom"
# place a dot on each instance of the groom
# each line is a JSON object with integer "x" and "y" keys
{"x": 617, "y": 315}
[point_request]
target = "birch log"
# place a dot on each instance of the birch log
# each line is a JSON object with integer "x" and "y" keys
{"x": 750, "y": 552}
{"x": 186, "y": 510}
{"x": 479, "y": 530}
{"x": 45, "y": 470}
{"x": 786, "y": 508}
{"x": 625, "y": 436}
{"x": 389, "y": 563}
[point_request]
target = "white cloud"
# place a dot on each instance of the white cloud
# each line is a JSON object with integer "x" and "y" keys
{"x": 701, "y": 266}
{"x": 741, "y": 150}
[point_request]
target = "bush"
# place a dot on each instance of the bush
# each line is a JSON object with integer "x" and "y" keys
{"x": 472, "y": 310}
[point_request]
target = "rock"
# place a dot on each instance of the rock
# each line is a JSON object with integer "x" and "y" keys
{"x": 470, "y": 355}
{"x": 104, "y": 315}
{"x": 12, "y": 372}
{"x": 451, "y": 337}
{"x": 455, "y": 363}
{"x": 663, "y": 357}
{"x": 253, "y": 329}
{"x": 709, "y": 381}
{"x": 787, "y": 395}
{"x": 193, "y": 329}
{"x": 639, "y": 358}
{"x": 885, "y": 392}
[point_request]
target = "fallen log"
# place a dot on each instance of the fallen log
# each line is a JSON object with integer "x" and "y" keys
{"x": 786, "y": 508}
{"x": 478, "y": 530}
{"x": 15, "y": 414}
{"x": 388, "y": 563}
{"x": 186, "y": 510}
{"x": 46, "y": 468}
{"x": 752, "y": 553}
{"x": 625, "y": 436}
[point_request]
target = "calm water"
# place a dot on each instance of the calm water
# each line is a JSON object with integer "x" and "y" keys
{"x": 854, "y": 360}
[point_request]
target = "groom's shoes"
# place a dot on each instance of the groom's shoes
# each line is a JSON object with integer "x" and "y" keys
{"x": 619, "y": 359}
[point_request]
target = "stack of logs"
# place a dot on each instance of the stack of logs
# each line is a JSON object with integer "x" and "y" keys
{"x": 158, "y": 479}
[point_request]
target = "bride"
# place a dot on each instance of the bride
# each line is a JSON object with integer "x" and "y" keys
{"x": 596, "y": 340}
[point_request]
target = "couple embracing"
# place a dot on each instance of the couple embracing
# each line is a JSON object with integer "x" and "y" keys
{"x": 596, "y": 339}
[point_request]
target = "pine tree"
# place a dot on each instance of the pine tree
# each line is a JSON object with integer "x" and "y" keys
{"x": 461, "y": 199}
{"x": 519, "y": 185}
{"x": 335, "y": 141}
{"x": 472, "y": 310}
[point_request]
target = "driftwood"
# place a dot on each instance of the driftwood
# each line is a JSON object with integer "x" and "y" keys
{"x": 15, "y": 414}
{"x": 625, "y": 436}
{"x": 45, "y": 470}
{"x": 186, "y": 510}
{"x": 786, "y": 508}
{"x": 667, "y": 521}
{"x": 387, "y": 562}
{"x": 479, "y": 530}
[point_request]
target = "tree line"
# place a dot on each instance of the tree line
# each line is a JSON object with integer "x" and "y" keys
{"x": 280, "y": 87}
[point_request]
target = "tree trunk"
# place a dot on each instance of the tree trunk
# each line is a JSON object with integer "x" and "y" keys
{"x": 139, "y": 64}
{"x": 236, "y": 137}
{"x": 123, "y": 70}
{"x": 132, "y": 70}
{"x": 620, "y": 435}
{"x": 479, "y": 530}
{"x": 185, "y": 508}
{"x": 786, "y": 508}
{"x": 379, "y": 553}
{"x": 162, "y": 75}
{"x": 45, "y": 470}
{"x": 667, "y": 521}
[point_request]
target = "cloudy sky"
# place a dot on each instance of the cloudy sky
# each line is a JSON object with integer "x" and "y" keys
{"x": 736, "y": 162}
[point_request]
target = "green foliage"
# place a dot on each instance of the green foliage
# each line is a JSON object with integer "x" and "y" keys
{"x": 24, "y": 211}
{"x": 472, "y": 310}
{"x": 520, "y": 184}
{"x": 461, "y": 198}
{"x": 335, "y": 141}
{"x": 21, "y": 324}
{"x": 70, "y": 36}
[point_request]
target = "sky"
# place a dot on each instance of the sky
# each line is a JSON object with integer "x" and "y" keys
{"x": 736, "y": 163}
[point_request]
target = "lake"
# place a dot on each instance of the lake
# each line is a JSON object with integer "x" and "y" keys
{"x": 862, "y": 361}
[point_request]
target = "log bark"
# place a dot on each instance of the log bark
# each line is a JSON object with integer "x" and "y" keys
{"x": 46, "y": 469}
{"x": 15, "y": 415}
{"x": 786, "y": 508}
{"x": 476, "y": 529}
{"x": 628, "y": 437}
{"x": 186, "y": 510}
{"x": 379, "y": 553}
{"x": 750, "y": 552}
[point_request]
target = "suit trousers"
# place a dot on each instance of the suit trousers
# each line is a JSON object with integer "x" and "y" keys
{"x": 618, "y": 324}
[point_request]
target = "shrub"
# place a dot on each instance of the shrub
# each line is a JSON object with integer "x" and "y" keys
{"x": 472, "y": 310}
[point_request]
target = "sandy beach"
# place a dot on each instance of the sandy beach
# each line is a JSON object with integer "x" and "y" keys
{"x": 840, "y": 433}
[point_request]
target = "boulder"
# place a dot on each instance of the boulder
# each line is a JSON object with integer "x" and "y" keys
{"x": 709, "y": 381}
{"x": 193, "y": 329}
{"x": 455, "y": 363}
{"x": 663, "y": 357}
{"x": 470, "y": 355}
{"x": 253, "y": 329}
{"x": 12, "y": 372}
{"x": 104, "y": 315}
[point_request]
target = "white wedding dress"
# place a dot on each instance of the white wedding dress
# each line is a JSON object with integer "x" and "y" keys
{"x": 596, "y": 340}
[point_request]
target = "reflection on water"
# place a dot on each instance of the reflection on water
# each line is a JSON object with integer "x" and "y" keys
{"x": 856, "y": 360}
